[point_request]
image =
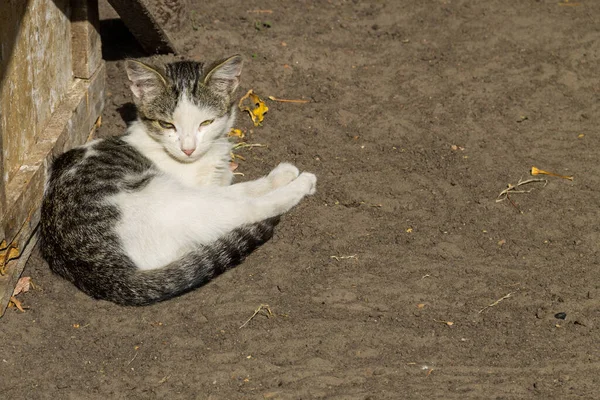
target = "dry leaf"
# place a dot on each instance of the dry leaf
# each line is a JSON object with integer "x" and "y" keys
{"x": 8, "y": 254}
{"x": 300, "y": 101}
{"x": 14, "y": 302}
{"x": 236, "y": 133}
{"x": 233, "y": 166}
{"x": 23, "y": 285}
{"x": 537, "y": 171}
{"x": 257, "y": 112}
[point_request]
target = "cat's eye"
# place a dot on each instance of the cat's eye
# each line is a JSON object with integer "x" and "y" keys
{"x": 207, "y": 122}
{"x": 165, "y": 124}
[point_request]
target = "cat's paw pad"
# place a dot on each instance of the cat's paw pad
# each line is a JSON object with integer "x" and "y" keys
{"x": 308, "y": 182}
{"x": 283, "y": 174}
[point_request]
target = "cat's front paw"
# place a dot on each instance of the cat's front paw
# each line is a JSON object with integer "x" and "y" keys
{"x": 308, "y": 182}
{"x": 283, "y": 174}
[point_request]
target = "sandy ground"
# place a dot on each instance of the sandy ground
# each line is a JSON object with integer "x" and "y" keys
{"x": 420, "y": 114}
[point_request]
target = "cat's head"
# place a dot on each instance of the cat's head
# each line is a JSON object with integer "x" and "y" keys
{"x": 185, "y": 106}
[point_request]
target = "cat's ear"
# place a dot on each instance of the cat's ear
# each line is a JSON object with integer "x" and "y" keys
{"x": 146, "y": 82}
{"x": 225, "y": 77}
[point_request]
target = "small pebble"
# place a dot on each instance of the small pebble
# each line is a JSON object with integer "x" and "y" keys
{"x": 560, "y": 315}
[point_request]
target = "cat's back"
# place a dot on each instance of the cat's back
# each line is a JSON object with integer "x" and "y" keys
{"x": 80, "y": 182}
{"x": 98, "y": 169}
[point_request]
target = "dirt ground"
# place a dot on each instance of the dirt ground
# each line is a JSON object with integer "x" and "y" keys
{"x": 420, "y": 114}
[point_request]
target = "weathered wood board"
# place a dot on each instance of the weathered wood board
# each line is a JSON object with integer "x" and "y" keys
{"x": 87, "y": 49}
{"x": 142, "y": 22}
{"x": 51, "y": 95}
{"x": 34, "y": 80}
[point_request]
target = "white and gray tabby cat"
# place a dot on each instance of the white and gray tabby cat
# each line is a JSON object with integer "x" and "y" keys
{"x": 152, "y": 214}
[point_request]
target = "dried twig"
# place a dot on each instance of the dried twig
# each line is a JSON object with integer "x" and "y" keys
{"x": 130, "y": 361}
{"x": 299, "y": 101}
{"x": 261, "y": 11}
{"x": 243, "y": 145}
{"x": 338, "y": 258}
{"x": 260, "y": 308}
{"x": 512, "y": 189}
{"x": 497, "y": 301}
{"x": 513, "y": 203}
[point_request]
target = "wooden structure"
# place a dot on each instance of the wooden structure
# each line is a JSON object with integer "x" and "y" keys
{"x": 51, "y": 97}
{"x": 146, "y": 20}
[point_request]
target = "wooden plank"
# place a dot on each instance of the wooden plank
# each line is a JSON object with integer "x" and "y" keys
{"x": 35, "y": 79}
{"x": 85, "y": 38}
{"x": 142, "y": 23}
{"x": 44, "y": 110}
{"x": 70, "y": 126}
{"x": 10, "y": 17}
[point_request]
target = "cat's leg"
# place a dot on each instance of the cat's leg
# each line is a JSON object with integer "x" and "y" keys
{"x": 165, "y": 220}
{"x": 226, "y": 177}
{"x": 282, "y": 199}
{"x": 281, "y": 175}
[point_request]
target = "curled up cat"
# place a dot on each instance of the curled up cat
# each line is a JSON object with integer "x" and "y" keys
{"x": 149, "y": 215}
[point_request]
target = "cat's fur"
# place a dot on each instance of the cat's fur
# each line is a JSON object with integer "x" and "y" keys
{"x": 151, "y": 214}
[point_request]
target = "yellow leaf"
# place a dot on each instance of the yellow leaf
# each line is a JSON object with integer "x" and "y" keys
{"x": 257, "y": 108}
{"x": 8, "y": 254}
{"x": 537, "y": 171}
{"x": 236, "y": 133}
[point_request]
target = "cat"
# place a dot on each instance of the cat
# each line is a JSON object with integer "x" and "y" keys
{"x": 152, "y": 214}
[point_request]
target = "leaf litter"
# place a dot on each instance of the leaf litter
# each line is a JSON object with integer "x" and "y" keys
{"x": 256, "y": 107}
{"x": 23, "y": 285}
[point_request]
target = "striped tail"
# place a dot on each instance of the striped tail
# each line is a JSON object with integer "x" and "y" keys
{"x": 135, "y": 287}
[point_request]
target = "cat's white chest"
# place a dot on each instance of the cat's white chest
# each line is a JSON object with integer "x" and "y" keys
{"x": 201, "y": 172}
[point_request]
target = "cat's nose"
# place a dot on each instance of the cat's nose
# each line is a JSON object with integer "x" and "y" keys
{"x": 188, "y": 152}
